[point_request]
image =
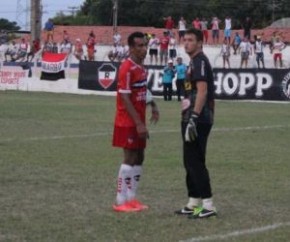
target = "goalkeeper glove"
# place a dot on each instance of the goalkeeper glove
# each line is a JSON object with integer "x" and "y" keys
{"x": 191, "y": 132}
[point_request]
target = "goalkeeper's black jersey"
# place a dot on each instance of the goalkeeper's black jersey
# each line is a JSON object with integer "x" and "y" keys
{"x": 199, "y": 69}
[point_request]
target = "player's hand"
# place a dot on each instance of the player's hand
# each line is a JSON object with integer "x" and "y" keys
{"x": 154, "y": 116}
{"x": 142, "y": 131}
{"x": 191, "y": 132}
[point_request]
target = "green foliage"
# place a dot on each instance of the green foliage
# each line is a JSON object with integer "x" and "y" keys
{"x": 151, "y": 12}
{"x": 7, "y": 25}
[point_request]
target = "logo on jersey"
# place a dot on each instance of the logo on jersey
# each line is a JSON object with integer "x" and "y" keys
{"x": 106, "y": 75}
{"x": 286, "y": 85}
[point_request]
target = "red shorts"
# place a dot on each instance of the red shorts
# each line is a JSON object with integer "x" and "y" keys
{"x": 278, "y": 56}
{"x": 127, "y": 137}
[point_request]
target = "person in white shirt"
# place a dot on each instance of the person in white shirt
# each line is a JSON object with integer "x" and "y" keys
{"x": 259, "y": 50}
{"x": 66, "y": 47}
{"x": 153, "y": 49}
{"x": 22, "y": 50}
{"x": 181, "y": 29}
{"x": 215, "y": 29}
{"x": 11, "y": 51}
{"x": 172, "y": 47}
{"x": 246, "y": 50}
{"x": 117, "y": 38}
{"x": 277, "y": 47}
{"x": 228, "y": 27}
{"x": 225, "y": 52}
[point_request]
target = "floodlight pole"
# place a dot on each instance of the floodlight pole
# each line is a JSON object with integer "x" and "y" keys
{"x": 115, "y": 14}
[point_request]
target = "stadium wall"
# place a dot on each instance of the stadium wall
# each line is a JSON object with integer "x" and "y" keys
{"x": 100, "y": 78}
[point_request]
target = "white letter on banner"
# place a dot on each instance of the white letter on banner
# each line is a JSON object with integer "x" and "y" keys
{"x": 218, "y": 83}
{"x": 263, "y": 85}
{"x": 244, "y": 84}
{"x": 230, "y": 90}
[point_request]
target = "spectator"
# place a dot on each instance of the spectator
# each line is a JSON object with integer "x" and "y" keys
{"x": 225, "y": 52}
{"x": 34, "y": 49}
{"x": 65, "y": 36}
{"x": 181, "y": 75}
{"x": 168, "y": 75}
{"x": 228, "y": 28}
{"x": 172, "y": 47}
{"x": 259, "y": 50}
{"x": 119, "y": 52}
{"x": 78, "y": 51}
{"x": 247, "y": 26}
{"x": 49, "y": 28}
{"x": 11, "y": 51}
{"x": 273, "y": 41}
{"x": 66, "y": 47}
{"x": 48, "y": 47}
{"x": 91, "y": 46}
{"x": 22, "y": 50}
{"x": 196, "y": 24}
{"x": 164, "y": 42}
{"x": 181, "y": 29}
{"x": 117, "y": 38}
{"x": 246, "y": 50}
{"x": 215, "y": 30}
{"x": 54, "y": 48}
{"x": 236, "y": 42}
{"x": 204, "y": 29}
{"x": 153, "y": 49}
{"x": 169, "y": 24}
{"x": 277, "y": 51}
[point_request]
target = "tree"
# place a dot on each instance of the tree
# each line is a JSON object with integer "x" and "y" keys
{"x": 7, "y": 25}
{"x": 151, "y": 12}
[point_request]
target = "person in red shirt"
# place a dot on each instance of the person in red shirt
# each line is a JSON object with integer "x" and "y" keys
{"x": 169, "y": 24}
{"x": 164, "y": 43}
{"x": 34, "y": 49}
{"x": 196, "y": 23}
{"x": 130, "y": 131}
{"x": 91, "y": 46}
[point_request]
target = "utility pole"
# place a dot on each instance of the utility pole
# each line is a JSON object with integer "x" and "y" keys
{"x": 35, "y": 22}
{"x": 115, "y": 14}
{"x": 73, "y": 10}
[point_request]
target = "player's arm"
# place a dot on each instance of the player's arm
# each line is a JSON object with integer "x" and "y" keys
{"x": 201, "y": 95}
{"x": 154, "y": 109}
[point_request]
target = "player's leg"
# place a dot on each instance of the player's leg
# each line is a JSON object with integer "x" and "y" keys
{"x": 200, "y": 174}
{"x": 192, "y": 191}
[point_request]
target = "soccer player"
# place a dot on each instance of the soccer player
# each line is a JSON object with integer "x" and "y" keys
{"x": 130, "y": 131}
{"x": 197, "y": 120}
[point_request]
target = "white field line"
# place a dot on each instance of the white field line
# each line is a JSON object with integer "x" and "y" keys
{"x": 58, "y": 137}
{"x": 237, "y": 233}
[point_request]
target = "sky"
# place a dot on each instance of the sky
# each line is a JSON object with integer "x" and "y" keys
{"x": 21, "y": 14}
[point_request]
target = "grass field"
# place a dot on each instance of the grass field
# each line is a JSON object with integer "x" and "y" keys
{"x": 58, "y": 173}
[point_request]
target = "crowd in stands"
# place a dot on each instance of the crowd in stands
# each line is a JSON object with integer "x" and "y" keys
{"x": 160, "y": 48}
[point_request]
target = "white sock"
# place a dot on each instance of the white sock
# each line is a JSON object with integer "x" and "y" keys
{"x": 136, "y": 174}
{"x": 208, "y": 204}
{"x": 124, "y": 181}
{"x": 193, "y": 202}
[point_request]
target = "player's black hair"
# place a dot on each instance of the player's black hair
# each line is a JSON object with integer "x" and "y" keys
{"x": 131, "y": 38}
{"x": 198, "y": 33}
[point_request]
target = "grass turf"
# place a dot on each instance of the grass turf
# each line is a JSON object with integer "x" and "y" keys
{"x": 58, "y": 172}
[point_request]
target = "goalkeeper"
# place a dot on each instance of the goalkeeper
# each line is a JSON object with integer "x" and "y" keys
{"x": 197, "y": 120}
